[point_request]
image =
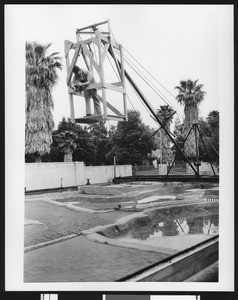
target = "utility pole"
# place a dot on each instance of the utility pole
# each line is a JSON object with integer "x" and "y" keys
{"x": 161, "y": 155}
{"x": 114, "y": 166}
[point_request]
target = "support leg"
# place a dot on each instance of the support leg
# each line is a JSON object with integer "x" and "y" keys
{"x": 96, "y": 102}
{"x": 87, "y": 97}
{"x": 71, "y": 102}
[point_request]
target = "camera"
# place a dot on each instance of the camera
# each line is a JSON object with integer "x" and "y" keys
{"x": 78, "y": 88}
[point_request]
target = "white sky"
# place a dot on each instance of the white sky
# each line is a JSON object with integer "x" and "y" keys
{"x": 171, "y": 42}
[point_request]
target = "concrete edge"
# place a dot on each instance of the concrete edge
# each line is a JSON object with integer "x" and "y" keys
{"x": 205, "y": 275}
{"x": 141, "y": 214}
{"x": 164, "y": 204}
{"x": 95, "y": 237}
{"x": 120, "y": 221}
{"x": 71, "y": 206}
{"x": 49, "y": 243}
{"x": 163, "y": 270}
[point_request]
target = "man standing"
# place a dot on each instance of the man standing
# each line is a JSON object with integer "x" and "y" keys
{"x": 81, "y": 79}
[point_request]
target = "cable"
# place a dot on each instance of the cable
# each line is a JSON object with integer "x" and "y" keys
{"x": 157, "y": 92}
{"x": 145, "y": 82}
{"x": 113, "y": 67}
{"x": 130, "y": 63}
{"x": 150, "y": 84}
{"x": 155, "y": 80}
{"x": 145, "y": 106}
{"x": 119, "y": 79}
{"x": 150, "y": 74}
{"x": 132, "y": 87}
{"x": 130, "y": 102}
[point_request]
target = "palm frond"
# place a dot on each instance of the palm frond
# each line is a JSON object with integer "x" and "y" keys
{"x": 41, "y": 76}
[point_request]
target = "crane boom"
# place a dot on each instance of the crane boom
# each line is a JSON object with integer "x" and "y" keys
{"x": 158, "y": 120}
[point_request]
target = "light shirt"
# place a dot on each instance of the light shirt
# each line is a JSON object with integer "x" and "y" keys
{"x": 83, "y": 76}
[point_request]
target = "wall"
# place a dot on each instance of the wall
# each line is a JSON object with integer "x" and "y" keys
{"x": 48, "y": 175}
{"x": 163, "y": 169}
{"x": 204, "y": 169}
{"x": 102, "y": 174}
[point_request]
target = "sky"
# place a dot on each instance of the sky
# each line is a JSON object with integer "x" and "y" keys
{"x": 171, "y": 42}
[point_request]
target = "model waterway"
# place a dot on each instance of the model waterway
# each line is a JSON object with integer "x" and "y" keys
{"x": 205, "y": 225}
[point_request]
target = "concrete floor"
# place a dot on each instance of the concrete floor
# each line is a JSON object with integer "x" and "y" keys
{"x": 81, "y": 260}
{"x": 78, "y": 259}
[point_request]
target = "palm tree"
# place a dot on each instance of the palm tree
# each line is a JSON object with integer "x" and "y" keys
{"x": 66, "y": 142}
{"x": 190, "y": 95}
{"x": 41, "y": 77}
{"x": 165, "y": 113}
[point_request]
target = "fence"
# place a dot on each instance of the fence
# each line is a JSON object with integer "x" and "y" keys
{"x": 160, "y": 169}
{"x": 40, "y": 176}
{"x": 204, "y": 169}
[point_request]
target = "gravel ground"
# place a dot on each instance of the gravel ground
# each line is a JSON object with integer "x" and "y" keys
{"x": 60, "y": 221}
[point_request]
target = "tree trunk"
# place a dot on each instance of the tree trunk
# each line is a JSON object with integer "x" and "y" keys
{"x": 68, "y": 157}
{"x": 165, "y": 146}
{"x": 190, "y": 146}
{"x": 191, "y": 117}
{"x": 37, "y": 158}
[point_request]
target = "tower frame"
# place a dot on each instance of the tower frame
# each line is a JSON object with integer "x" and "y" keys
{"x": 88, "y": 40}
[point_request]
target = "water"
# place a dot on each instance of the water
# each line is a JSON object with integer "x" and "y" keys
{"x": 205, "y": 225}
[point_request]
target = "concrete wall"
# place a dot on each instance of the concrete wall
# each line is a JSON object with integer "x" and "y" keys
{"x": 163, "y": 169}
{"x": 48, "y": 175}
{"x": 204, "y": 169}
{"x": 102, "y": 174}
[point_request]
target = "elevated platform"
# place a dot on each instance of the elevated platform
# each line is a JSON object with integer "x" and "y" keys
{"x": 97, "y": 118}
{"x": 89, "y": 119}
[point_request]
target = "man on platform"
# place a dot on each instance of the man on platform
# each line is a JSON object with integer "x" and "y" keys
{"x": 81, "y": 79}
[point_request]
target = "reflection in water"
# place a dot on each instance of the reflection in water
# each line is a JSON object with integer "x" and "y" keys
{"x": 197, "y": 225}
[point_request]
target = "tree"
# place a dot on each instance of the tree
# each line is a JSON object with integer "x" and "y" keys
{"x": 190, "y": 95}
{"x": 210, "y": 128}
{"x": 99, "y": 135}
{"x": 66, "y": 142}
{"x": 213, "y": 120}
{"x": 85, "y": 149}
{"x": 131, "y": 142}
{"x": 179, "y": 138}
{"x": 41, "y": 77}
{"x": 165, "y": 113}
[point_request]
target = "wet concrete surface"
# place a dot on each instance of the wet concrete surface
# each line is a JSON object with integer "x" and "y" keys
{"x": 81, "y": 260}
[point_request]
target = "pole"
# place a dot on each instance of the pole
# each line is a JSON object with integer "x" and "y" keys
{"x": 114, "y": 165}
{"x": 158, "y": 120}
{"x": 153, "y": 113}
{"x": 171, "y": 166}
{"x": 196, "y": 141}
{"x": 160, "y": 142}
{"x": 123, "y": 81}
